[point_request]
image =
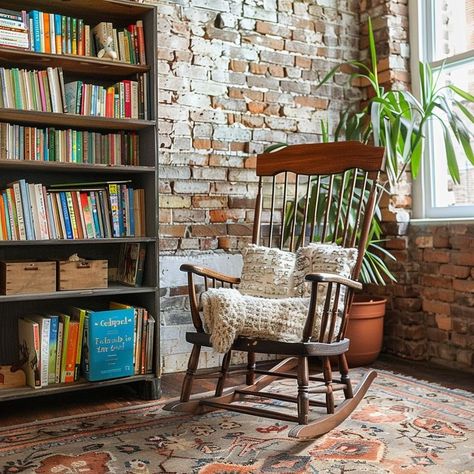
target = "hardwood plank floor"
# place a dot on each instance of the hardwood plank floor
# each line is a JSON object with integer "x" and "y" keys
{"x": 76, "y": 403}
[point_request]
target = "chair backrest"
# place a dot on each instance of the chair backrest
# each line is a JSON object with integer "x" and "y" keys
{"x": 323, "y": 192}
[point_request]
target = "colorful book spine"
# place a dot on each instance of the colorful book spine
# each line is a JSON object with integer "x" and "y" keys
{"x": 53, "y": 349}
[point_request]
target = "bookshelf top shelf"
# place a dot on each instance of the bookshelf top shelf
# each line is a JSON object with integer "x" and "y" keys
{"x": 114, "y": 9}
{"x": 84, "y": 65}
{"x": 30, "y": 117}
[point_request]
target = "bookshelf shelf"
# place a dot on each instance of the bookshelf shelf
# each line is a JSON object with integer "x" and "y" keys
{"x": 27, "y": 392}
{"x": 143, "y": 176}
{"x": 30, "y": 117}
{"x": 83, "y": 65}
{"x": 112, "y": 290}
{"x": 57, "y": 167}
{"x": 118, "y": 240}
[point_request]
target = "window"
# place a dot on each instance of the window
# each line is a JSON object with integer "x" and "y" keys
{"x": 442, "y": 34}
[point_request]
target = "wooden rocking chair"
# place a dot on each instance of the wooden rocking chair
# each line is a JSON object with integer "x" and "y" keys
{"x": 307, "y": 193}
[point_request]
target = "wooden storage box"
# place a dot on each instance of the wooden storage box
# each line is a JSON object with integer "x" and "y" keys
{"x": 82, "y": 274}
{"x": 18, "y": 278}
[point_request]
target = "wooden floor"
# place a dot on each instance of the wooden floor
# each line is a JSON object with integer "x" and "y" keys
{"x": 74, "y": 403}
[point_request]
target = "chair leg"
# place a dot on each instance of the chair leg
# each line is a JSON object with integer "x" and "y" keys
{"x": 303, "y": 387}
{"x": 223, "y": 376}
{"x": 251, "y": 365}
{"x": 327, "y": 371}
{"x": 344, "y": 370}
{"x": 189, "y": 377}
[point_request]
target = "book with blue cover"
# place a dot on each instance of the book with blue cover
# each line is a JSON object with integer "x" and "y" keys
{"x": 108, "y": 347}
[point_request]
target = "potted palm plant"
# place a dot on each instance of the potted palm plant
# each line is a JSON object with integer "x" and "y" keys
{"x": 398, "y": 121}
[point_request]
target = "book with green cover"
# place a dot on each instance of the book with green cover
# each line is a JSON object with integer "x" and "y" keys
{"x": 65, "y": 319}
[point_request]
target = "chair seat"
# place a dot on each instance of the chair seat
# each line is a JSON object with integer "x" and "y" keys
{"x": 247, "y": 344}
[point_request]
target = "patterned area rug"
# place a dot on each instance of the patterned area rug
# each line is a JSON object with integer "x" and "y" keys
{"x": 402, "y": 426}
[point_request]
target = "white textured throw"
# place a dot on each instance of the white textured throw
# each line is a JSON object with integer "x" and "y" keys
{"x": 228, "y": 314}
{"x": 273, "y": 300}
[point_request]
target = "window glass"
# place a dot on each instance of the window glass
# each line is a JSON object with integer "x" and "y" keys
{"x": 446, "y": 192}
{"x": 454, "y": 28}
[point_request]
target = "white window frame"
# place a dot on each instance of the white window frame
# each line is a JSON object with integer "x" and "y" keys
{"x": 420, "y": 21}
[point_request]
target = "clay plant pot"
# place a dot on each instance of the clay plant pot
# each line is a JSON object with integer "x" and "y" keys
{"x": 365, "y": 330}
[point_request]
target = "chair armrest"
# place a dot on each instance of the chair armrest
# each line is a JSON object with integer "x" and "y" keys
{"x": 207, "y": 272}
{"x": 333, "y": 278}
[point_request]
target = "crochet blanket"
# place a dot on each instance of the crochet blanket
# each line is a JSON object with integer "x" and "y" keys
{"x": 228, "y": 314}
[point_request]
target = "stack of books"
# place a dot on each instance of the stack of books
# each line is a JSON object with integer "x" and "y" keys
{"x": 14, "y": 29}
{"x": 98, "y": 345}
{"x": 18, "y": 142}
{"x": 30, "y": 211}
{"x": 42, "y": 91}
{"x": 126, "y": 99}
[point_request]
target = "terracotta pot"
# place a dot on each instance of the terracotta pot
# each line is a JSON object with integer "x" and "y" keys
{"x": 365, "y": 330}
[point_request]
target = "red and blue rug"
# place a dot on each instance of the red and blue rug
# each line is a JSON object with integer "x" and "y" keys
{"x": 402, "y": 426}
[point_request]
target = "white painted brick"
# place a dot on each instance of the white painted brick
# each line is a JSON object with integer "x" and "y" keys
{"x": 173, "y": 112}
{"x": 194, "y": 100}
{"x": 182, "y": 129}
{"x": 260, "y": 13}
{"x": 235, "y": 132}
{"x": 190, "y": 71}
{"x": 171, "y": 276}
{"x": 218, "y": 5}
{"x": 214, "y": 174}
{"x": 191, "y": 187}
{"x": 207, "y": 87}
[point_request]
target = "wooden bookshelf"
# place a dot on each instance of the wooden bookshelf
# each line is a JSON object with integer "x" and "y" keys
{"x": 145, "y": 175}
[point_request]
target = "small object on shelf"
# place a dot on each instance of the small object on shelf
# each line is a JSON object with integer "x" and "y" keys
{"x": 27, "y": 277}
{"x": 11, "y": 376}
{"x": 29, "y": 344}
{"x": 107, "y": 52}
{"x": 131, "y": 263}
{"x": 79, "y": 274}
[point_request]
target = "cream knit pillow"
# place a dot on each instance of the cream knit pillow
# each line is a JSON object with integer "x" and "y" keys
{"x": 323, "y": 258}
{"x": 267, "y": 272}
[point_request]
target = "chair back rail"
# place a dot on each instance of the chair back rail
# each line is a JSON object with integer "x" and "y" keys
{"x": 323, "y": 193}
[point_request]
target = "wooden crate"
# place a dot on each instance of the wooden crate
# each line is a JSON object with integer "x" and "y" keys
{"x": 27, "y": 277}
{"x": 82, "y": 274}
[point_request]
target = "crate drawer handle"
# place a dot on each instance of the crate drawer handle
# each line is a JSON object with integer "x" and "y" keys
{"x": 83, "y": 265}
{"x": 31, "y": 267}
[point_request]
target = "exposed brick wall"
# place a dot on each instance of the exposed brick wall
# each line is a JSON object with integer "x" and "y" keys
{"x": 432, "y": 318}
{"x": 234, "y": 77}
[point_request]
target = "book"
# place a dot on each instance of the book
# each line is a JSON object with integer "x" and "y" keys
{"x": 131, "y": 263}
{"x": 44, "y": 325}
{"x": 65, "y": 320}
{"x": 79, "y": 315}
{"x": 29, "y": 344}
{"x": 53, "y": 348}
{"x": 108, "y": 344}
{"x": 59, "y": 352}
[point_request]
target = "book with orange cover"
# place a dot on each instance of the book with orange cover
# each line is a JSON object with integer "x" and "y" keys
{"x": 71, "y": 351}
{"x": 46, "y": 32}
